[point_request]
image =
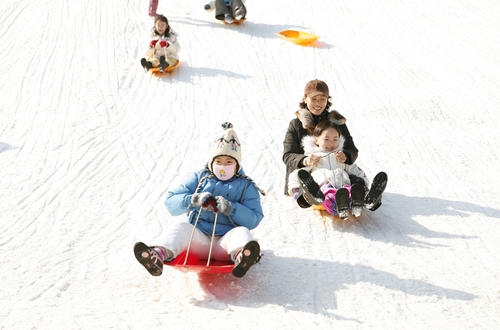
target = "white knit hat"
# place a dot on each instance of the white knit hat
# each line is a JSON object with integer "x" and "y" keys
{"x": 226, "y": 143}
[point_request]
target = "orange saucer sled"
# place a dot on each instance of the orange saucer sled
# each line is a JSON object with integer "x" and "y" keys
{"x": 318, "y": 207}
{"x": 235, "y": 22}
{"x": 157, "y": 72}
{"x": 298, "y": 37}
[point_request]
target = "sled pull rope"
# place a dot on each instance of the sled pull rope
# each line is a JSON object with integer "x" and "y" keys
{"x": 328, "y": 154}
{"x": 342, "y": 174}
{"x": 192, "y": 234}
{"x": 212, "y": 239}
{"x": 342, "y": 167}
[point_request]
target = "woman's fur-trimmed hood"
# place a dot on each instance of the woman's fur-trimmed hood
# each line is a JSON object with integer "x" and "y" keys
{"x": 307, "y": 120}
{"x": 311, "y": 148}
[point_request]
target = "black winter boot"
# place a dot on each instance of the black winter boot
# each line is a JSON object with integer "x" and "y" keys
{"x": 358, "y": 199}
{"x": 163, "y": 64}
{"x": 310, "y": 189}
{"x": 146, "y": 64}
{"x": 373, "y": 199}
{"x": 342, "y": 201}
{"x": 249, "y": 255}
{"x": 149, "y": 258}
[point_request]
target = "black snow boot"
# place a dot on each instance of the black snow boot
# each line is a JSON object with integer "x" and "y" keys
{"x": 373, "y": 199}
{"x": 146, "y": 64}
{"x": 149, "y": 258}
{"x": 358, "y": 198}
{"x": 163, "y": 64}
{"x": 310, "y": 189}
{"x": 246, "y": 258}
{"x": 342, "y": 203}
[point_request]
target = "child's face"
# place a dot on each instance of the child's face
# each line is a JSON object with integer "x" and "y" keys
{"x": 224, "y": 167}
{"x": 328, "y": 140}
{"x": 161, "y": 27}
{"x": 224, "y": 160}
{"x": 316, "y": 104}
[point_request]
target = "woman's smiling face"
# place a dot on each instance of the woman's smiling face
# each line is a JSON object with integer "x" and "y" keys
{"x": 316, "y": 104}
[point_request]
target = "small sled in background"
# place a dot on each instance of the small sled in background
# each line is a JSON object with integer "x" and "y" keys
{"x": 235, "y": 21}
{"x": 298, "y": 37}
{"x": 156, "y": 71}
{"x": 163, "y": 67}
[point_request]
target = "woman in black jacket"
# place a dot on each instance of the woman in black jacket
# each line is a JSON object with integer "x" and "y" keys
{"x": 314, "y": 108}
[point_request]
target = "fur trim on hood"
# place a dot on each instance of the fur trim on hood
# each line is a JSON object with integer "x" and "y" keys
{"x": 335, "y": 117}
{"x": 311, "y": 148}
{"x": 306, "y": 118}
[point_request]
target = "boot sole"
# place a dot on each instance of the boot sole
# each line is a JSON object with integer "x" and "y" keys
{"x": 378, "y": 186}
{"x": 142, "y": 253}
{"x": 310, "y": 189}
{"x": 250, "y": 254}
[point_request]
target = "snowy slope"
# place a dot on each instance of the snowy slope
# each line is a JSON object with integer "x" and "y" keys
{"x": 90, "y": 145}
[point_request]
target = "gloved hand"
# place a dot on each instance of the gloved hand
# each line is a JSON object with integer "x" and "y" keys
{"x": 199, "y": 199}
{"x": 311, "y": 160}
{"x": 152, "y": 44}
{"x": 164, "y": 44}
{"x": 223, "y": 205}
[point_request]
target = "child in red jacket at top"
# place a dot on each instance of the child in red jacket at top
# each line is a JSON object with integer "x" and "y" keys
{"x": 164, "y": 47}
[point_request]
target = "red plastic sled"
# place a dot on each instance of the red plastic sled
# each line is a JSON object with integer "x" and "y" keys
{"x": 193, "y": 263}
{"x": 196, "y": 265}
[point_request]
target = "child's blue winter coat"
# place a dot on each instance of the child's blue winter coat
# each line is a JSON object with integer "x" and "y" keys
{"x": 247, "y": 211}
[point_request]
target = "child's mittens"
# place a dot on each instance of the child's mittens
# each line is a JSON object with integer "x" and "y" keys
{"x": 223, "y": 205}
{"x": 164, "y": 44}
{"x": 152, "y": 44}
{"x": 199, "y": 199}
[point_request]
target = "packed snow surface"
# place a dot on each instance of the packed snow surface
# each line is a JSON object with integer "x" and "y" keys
{"x": 90, "y": 145}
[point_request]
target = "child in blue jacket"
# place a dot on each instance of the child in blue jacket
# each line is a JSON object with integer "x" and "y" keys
{"x": 223, "y": 187}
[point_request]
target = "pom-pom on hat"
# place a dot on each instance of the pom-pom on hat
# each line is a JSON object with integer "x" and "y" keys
{"x": 316, "y": 87}
{"x": 226, "y": 143}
